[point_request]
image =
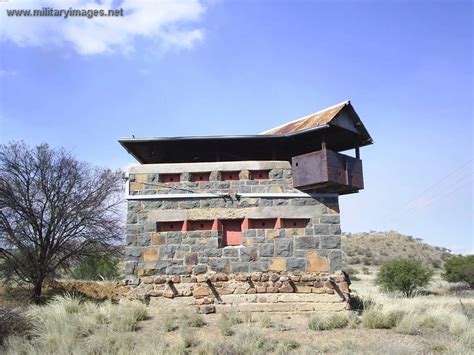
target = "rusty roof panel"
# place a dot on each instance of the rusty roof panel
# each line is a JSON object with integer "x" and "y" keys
{"x": 310, "y": 121}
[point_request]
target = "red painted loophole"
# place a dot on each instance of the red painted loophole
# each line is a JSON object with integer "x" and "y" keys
{"x": 259, "y": 174}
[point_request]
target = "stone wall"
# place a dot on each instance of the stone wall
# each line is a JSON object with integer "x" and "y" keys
{"x": 314, "y": 248}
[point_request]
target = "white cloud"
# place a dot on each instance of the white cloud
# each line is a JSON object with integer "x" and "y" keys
{"x": 7, "y": 73}
{"x": 170, "y": 22}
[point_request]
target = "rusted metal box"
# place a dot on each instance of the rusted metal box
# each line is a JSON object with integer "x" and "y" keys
{"x": 327, "y": 171}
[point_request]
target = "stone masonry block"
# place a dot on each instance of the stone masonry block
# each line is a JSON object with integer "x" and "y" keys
{"x": 179, "y": 270}
{"x": 129, "y": 268}
{"x": 239, "y": 267}
{"x": 157, "y": 239}
{"x": 322, "y": 229}
{"x": 330, "y": 241}
{"x": 335, "y": 229}
{"x": 213, "y": 252}
{"x": 294, "y": 264}
{"x": 276, "y": 174}
{"x": 249, "y": 233}
{"x": 261, "y": 266}
{"x": 133, "y": 253}
{"x": 131, "y": 240}
{"x": 274, "y": 233}
{"x": 248, "y": 254}
{"x": 330, "y": 219}
{"x": 300, "y": 253}
{"x": 191, "y": 259}
{"x": 335, "y": 260}
{"x": 220, "y": 265}
{"x": 144, "y": 240}
{"x": 265, "y": 250}
{"x": 170, "y": 205}
{"x": 167, "y": 251}
{"x": 278, "y": 264}
{"x": 132, "y": 217}
{"x": 150, "y": 254}
{"x": 284, "y": 247}
{"x": 306, "y": 242}
{"x": 161, "y": 266}
{"x": 149, "y": 227}
{"x": 189, "y": 204}
{"x": 316, "y": 263}
{"x": 199, "y": 269}
{"x": 212, "y": 243}
{"x": 134, "y": 229}
{"x": 231, "y": 252}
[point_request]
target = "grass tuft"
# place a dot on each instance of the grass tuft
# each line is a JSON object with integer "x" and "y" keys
{"x": 328, "y": 322}
{"x": 227, "y": 322}
{"x": 190, "y": 318}
{"x": 266, "y": 322}
{"x": 376, "y": 318}
{"x": 169, "y": 323}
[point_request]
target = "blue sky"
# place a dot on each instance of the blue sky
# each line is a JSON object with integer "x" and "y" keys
{"x": 241, "y": 67}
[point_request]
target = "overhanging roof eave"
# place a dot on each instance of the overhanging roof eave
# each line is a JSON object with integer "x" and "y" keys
{"x": 222, "y": 137}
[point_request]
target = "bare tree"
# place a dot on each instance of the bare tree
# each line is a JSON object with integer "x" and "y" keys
{"x": 53, "y": 209}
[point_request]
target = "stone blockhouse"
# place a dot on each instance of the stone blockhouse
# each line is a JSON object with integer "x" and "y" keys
{"x": 211, "y": 216}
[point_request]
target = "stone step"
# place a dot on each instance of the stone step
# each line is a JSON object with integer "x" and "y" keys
{"x": 301, "y": 307}
{"x": 281, "y": 298}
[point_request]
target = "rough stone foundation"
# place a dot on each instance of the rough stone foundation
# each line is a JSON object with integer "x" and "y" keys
{"x": 310, "y": 291}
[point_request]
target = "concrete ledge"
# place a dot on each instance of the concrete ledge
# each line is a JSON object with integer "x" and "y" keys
{"x": 221, "y": 194}
{"x": 213, "y": 166}
{"x": 230, "y": 213}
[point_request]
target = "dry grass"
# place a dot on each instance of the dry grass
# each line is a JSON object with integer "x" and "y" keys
{"x": 12, "y": 321}
{"x": 68, "y": 326}
{"x": 434, "y": 323}
{"x": 438, "y": 315}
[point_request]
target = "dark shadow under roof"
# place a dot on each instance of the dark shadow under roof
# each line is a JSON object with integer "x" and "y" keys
{"x": 339, "y": 126}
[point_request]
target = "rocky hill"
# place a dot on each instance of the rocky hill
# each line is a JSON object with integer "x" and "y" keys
{"x": 374, "y": 248}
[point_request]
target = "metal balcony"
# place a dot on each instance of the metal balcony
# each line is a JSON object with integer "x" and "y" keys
{"x": 327, "y": 171}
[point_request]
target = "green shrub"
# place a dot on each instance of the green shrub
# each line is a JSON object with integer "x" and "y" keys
{"x": 403, "y": 275}
{"x": 97, "y": 267}
{"x": 460, "y": 269}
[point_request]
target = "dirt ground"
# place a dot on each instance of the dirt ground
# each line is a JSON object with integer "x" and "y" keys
{"x": 295, "y": 327}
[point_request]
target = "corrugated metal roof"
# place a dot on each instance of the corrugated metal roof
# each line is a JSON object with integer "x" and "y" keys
{"x": 313, "y": 120}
